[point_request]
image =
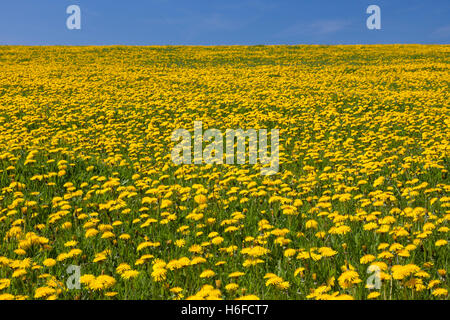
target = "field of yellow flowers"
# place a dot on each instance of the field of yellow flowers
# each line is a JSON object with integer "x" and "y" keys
{"x": 359, "y": 209}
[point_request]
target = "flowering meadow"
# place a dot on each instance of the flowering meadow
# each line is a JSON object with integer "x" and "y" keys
{"x": 93, "y": 207}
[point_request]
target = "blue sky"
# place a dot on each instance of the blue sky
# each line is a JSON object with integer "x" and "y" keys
{"x": 224, "y": 22}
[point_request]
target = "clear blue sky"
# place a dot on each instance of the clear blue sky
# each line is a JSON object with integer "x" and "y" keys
{"x": 222, "y": 22}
